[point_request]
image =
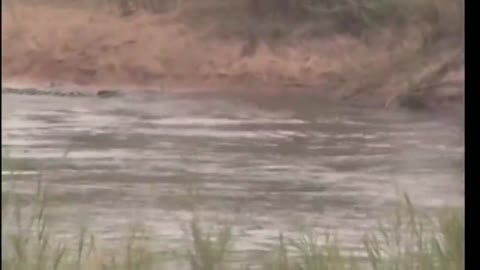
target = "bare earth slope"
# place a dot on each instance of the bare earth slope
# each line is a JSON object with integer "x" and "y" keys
{"x": 94, "y": 49}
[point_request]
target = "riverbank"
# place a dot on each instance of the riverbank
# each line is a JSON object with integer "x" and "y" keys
{"x": 410, "y": 240}
{"x": 415, "y": 64}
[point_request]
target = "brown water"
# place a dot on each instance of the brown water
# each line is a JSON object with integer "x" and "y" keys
{"x": 265, "y": 166}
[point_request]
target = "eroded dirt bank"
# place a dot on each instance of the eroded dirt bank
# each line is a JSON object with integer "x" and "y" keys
{"x": 94, "y": 50}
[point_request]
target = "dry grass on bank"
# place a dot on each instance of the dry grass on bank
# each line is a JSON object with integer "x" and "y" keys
{"x": 333, "y": 47}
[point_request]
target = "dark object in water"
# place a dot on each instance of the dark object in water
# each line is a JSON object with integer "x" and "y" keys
{"x": 412, "y": 102}
{"x": 250, "y": 46}
{"x": 107, "y": 93}
{"x": 37, "y": 92}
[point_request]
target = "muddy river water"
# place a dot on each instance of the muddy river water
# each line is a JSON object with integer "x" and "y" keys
{"x": 263, "y": 165}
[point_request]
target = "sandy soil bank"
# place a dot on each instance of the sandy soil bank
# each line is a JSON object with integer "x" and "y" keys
{"x": 95, "y": 50}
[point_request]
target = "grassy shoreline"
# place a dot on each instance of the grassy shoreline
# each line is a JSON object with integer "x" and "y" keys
{"x": 409, "y": 240}
{"x": 378, "y": 50}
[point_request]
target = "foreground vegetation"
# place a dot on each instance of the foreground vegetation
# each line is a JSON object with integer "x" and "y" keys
{"x": 411, "y": 240}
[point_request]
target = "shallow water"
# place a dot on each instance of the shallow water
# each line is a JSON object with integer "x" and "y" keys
{"x": 264, "y": 165}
